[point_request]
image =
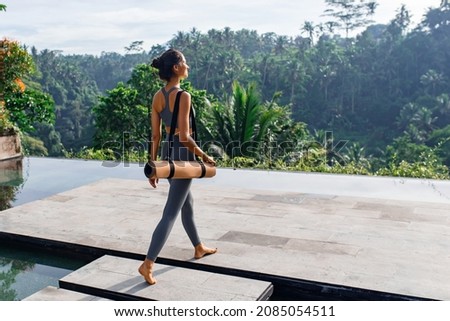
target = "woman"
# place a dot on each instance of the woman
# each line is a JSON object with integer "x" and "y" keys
{"x": 173, "y": 68}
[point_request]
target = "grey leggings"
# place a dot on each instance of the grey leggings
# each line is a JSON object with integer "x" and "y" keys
{"x": 179, "y": 198}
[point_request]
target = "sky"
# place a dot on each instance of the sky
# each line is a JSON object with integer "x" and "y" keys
{"x": 96, "y": 26}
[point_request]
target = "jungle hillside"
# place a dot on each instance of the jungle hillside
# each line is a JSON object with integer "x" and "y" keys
{"x": 377, "y": 103}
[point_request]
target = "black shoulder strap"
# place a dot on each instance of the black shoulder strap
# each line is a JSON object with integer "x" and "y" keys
{"x": 176, "y": 109}
{"x": 173, "y": 125}
{"x": 193, "y": 124}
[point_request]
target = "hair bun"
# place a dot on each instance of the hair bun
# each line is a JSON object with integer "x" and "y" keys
{"x": 156, "y": 63}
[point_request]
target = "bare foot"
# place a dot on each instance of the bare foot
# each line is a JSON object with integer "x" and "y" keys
{"x": 146, "y": 271}
{"x": 201, "y": 251}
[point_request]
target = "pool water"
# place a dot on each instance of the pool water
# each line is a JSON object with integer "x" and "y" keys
{"x": 41, "y": 177}
{"x": 24, "y": 271}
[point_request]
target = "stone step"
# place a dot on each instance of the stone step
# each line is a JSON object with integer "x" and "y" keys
{"x": 117, "y": 278}
{"x": 51, "y": 293}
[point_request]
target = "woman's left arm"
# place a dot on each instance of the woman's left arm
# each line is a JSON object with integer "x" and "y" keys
{"x": 156, "y": 138}
{"x": 183, "y": 127}
{"x": 156, "y": 130}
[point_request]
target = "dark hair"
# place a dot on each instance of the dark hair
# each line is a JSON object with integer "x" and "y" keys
{"x": 165, "y": 63}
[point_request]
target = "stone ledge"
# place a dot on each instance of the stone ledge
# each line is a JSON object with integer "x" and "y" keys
{"x": 10, "y": 147}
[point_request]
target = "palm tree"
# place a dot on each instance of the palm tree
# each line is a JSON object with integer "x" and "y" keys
{"x": 247, "y": 108}
{"x": 195, "y": 45}
{"x": 268, "y": 41}
{"x": 356, "y": 154}
{"x": 280, "y": 45}
{"x": 243, "y": 125}
{"x": 309, "y": 28}
{"x": 417, "y": 122}
{"x": 431, "y": 80}
{"x": 350, "y": 15}
{"x": 329, "y": 58}
{"x": 407, "y": 115}
{"x": 443, "y": 104}
{"x": 181, "y": 40}
{"x": 403, "y": 18}
{"x": 425, "y": 119}
{"x": 228, "y": 36}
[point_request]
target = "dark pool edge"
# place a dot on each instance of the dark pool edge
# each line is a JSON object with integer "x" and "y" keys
{"x": 285, "y": 288}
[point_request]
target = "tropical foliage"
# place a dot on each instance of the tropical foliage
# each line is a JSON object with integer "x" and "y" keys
{"x": 344, "y": 96}
{"x": 20, "y": 106}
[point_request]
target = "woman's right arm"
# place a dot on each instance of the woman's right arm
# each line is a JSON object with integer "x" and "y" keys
{"x": 156, "y": 129}
{"x": 183, "y": 127}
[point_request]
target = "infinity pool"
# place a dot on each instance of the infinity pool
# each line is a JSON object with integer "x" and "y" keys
{"x": 43, "y": 177}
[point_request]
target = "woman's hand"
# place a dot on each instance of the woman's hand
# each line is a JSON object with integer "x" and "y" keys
{"x": 153, "y": 181}
{"x": 208, "y": 159}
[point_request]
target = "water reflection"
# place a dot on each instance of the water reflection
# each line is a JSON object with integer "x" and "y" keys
{"x": 11, "y": 178}
{"x": 25, "y": 270}
{"x": 9, "y": 270}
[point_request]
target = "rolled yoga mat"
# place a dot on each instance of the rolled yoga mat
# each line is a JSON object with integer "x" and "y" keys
{"x": 179, "y": 169}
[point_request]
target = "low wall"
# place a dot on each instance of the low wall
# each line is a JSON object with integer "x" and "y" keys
{"x": 10, "y": 147}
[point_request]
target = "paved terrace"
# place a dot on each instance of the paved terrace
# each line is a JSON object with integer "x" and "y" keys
{"x": 333, "y": 236}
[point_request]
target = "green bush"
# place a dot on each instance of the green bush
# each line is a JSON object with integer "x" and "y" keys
{"x": 93, "y": 154}
{"x": 33, "y": 146}
{"x": 415, "y": 170}
{"x": 428, "y": 167}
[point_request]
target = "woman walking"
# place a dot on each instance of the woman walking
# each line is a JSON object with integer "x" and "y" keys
{"x": 172, "y": 69}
